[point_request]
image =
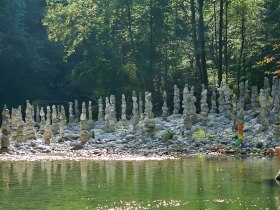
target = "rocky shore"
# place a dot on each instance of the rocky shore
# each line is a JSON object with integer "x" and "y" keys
{"x": 168, "y": 140}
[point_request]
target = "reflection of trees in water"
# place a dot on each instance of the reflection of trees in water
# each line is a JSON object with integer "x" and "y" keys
{"x": 19, "y": 169}
{"x": 110, "y": 167}
{"x": 6, "y": 166}
{"x": 63, "y": 171}
{"x": 124, "y": 171}
{"x": 135, "y": 168}
{"x": 84, "y": 173}
{"x": 29, "y": 172}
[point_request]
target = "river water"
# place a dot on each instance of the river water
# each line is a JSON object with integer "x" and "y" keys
{"x": 192, "y": 183}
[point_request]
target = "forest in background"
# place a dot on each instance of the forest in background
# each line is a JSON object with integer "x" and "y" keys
{"x": 58, "y": 50}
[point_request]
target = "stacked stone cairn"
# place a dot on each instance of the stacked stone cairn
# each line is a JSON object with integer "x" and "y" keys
{"x": 135, "y": 112}
{"x": 186, "y": 109}
{"x": 148, "y": 106}
{"x": 176, "y": 100}
{"x": 227, "y": 104}
{"x": 241, "y": 103}
{"x": 110, "y": 114}
{"x": 204, "y": 107}
{"x": 164, "y": 107}
{"x": 29, "y": 131}
{"x": 247, "y": 101}
{"x": 266, "y": 89}
{"x": 17, "y": 126}
{"x": 213, "y": 101}
{"x": 123, "y": 117}
{"x": 84, "y": 135}
{"x": 141, "y": 113}
{"x": 77, "y": 112}
{"x": 264, "y": 104}
{"x": 62, "y": 124}
{"x": 37, "y": 115}
{"x": 107, "y": 113}
{"x": 71, "y": 115}
{"x": 254, "y": 100}
{"x": 43, "y": 120}
{"x": 221, "y": 99}
{"x": 234, "y": 112}
{"x": 100, "y": 110}
{"x": 5, "y": 142}
{"x": 55, "y": 123}
{"x": 90, "y": 122}
{"x": 47, "y": 135}
{"x": 149, "y": 122}
{"x": 192, "y": 106}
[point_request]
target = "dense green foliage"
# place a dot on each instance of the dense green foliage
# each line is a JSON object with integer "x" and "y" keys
{"x": 100, "y": 47}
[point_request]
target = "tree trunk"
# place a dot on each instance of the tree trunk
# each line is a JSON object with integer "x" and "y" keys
{"x": 139, "y": 73}
{"x": 220, "y": 69}
{"x": 195, "y": 44}
{"x": 226, "y": 41}
{"x": 241, "y": 69}
{"x": 201, "y": 30}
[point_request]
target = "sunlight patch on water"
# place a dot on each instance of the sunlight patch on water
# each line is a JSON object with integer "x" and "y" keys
{"x": 142, "y": 205}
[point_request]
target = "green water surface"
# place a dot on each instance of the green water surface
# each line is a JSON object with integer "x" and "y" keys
{"x": 193, "y": 183}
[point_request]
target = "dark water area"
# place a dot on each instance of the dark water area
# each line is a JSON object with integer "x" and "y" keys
{"x": 193, "y": 183}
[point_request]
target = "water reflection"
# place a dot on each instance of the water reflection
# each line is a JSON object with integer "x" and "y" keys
{"x": 198, "y": 183}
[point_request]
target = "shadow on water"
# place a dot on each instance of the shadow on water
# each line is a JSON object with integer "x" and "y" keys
{"x": 269, "y": 183}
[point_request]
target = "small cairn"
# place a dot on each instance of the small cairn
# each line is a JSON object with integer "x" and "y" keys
{"x": 14, "y": 125}
{"x": 71, "y": 115}
{"x": 29, "y": 131}
{"x": 186, "y": 111}
{"x": 141, "y": 114}
{"x": 43, "y": 120}
{"x": 48, "y": 131}
{"x": 37, "y": 115}
{"x": 110, "y": 117}
{"x": 276, "y": 130}
{"x": 62, "y": 124}
{"x": 213, "y": 101}
{"x": 227, "y": 105}
{"x": 192, "y": 106}
{"x": 247, "y": 100}
{"x": 84, "y": 135}
{"x": 113, "y": 108}
{"x": 221, "y": 99}
{"x": 241, "y": 103}
{"x": 77, "y": 112}
{"x": 234, "y": 112}
{"x": 100, "y": 110}
{"x": 90, "y": 122}
{"x": 55, "y": 123}
{"x": 5, "y": 142}
{"x": 123, "y": 117}
{"x": 164, "y": 107}
{"x": 107, "y": 113}
{"x": 264, "y": 104}
{"x": 176, "y": 100}
{"x": 254, "y": 100}
{"x": 135, "y": 112}
{"x": 204, "y": 107}
{"x": 148, "y": 106}
{"x": 266, "y": 90}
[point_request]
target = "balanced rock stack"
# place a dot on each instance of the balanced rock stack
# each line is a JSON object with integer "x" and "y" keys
{"x": 176, "y": 100}
{"x": 164, "y": 107}
{"x": 29, "y": 131}
{"x": 204, "y": 107}
{"x": 135, "y": 111}
{"x": 84, "y": 135}
{"x": 5, "y": 142}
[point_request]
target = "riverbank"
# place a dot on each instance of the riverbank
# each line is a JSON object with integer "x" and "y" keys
{"x": 168, "y": 140}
